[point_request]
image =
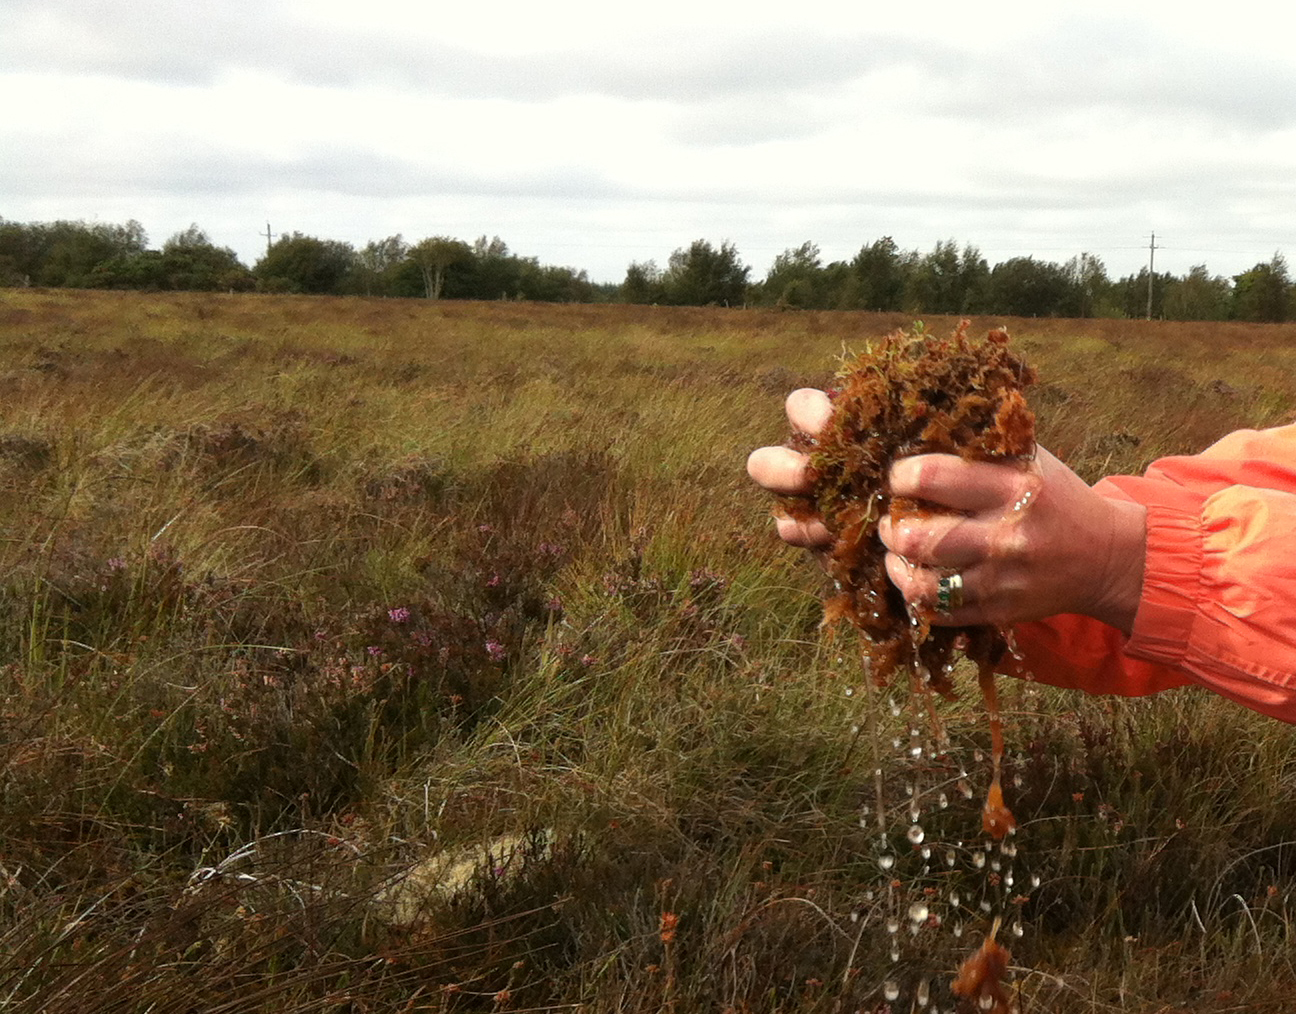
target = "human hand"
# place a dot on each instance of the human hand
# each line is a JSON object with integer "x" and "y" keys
{"x": 783, "y": 470}
{"x": 1028, "y": 542}
{"x": 1067, "y": 549}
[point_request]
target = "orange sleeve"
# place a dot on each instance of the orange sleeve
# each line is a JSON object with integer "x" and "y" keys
{"x": 1218, "y": 606}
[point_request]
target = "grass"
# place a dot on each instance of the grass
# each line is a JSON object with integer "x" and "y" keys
{"x": 393, "y": 656}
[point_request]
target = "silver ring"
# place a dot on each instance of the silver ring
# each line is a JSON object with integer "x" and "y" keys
{"x": 949, "y": 593}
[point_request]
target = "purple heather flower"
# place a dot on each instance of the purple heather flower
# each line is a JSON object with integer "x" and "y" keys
{"x": 374, "y": 650}
{"x": 399, "y": 615}
{"x": 495, "y": 650}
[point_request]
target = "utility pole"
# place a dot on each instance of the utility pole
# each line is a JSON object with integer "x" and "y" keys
{"x": 1151, "y": 271}
{"x": 269, "y": 236}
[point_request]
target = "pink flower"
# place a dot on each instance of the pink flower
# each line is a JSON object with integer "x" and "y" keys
{"x": 398, "y": 615}
{"x": 495, "y": 650}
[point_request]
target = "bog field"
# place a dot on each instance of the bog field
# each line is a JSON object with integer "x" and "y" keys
{"x": 385, "y": 656}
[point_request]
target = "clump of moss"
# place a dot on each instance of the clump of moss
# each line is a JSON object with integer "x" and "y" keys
{"x": 909, "y": 393}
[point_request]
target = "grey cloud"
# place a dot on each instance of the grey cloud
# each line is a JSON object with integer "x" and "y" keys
{"x": 64, "y": 165}
{"x": 1121, "y": 66}
{"x": 174, "y": 42}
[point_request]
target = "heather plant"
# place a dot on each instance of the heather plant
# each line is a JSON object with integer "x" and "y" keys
{"x": 385, "y": 655}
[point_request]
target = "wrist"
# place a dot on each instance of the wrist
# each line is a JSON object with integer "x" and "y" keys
{"x": 1120, "y": 587}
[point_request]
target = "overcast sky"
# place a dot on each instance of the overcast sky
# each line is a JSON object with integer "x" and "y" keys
{"x": 596, "y": 134}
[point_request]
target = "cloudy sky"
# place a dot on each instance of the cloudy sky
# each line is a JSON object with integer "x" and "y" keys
{"x": 596, "y": 134}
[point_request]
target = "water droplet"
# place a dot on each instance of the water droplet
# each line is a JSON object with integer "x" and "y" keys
{"x": 985, "y": 906}
{"x": 978, "y": 860}
{"x": 855, "y": 730}
{"x": 996, "y": 865}
{"x": 895, "y": 950}
{"x": 965, "y": 788}
{"x": 1035, "y": 880}
{"x": 918, "y": 912}
{"x": 850, "y": 691}
{"x": 954, "y": 898}
{"x": 916, "y": 834}
{"x": 985, "y": 1001}
{"x": 923, "y": 993}
{"x": 895, "y": 743}
{"x": 1018, "y": 930}
{"x": 885, "y": 862}
{"x": 1008, "y": 848}
{"x": 895, "y": 710}
{"x": 854, "y": 916}
{"x": 915, "y": 811}
{"x": 949, "y": 857}
{"x": 915, "y": 750}
{"x": 909, "y": 788}
{"x": 890, "y": 990}
{"x": 892, "y": 924}
{"x": 942, "y": 801}
{"x": 1008, "y": 879}
{"x": 868, "y": 895}
{"x": 957, "y": 930}
{"x": 925, "y": 851}
{"x": 1017, "y": 781}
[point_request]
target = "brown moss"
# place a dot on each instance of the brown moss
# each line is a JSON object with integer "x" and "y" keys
{"x": 910, "y": 393}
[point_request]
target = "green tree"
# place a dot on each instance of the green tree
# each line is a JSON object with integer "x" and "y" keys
{"x": 1263, "y": 293}
{"x": 1089, "y": 283}
{"x": 795, "y": 278}
{"x": 880, "y": 272}
{"x": 1198, "y": 295}
{"x": 644, "y": 283}
{"x": 947, "y": 281}
{"x": 377, "y": 268}
{"x": 495, "y": 273}
{"x": 298, "y": 263}
{"x": 436, "y": 256}
{"x": 547, "y": 283}
{"x": 1025, "y": 287}
{"x": 189, "y": 260}
{"x": 701, "y": 275}
{"x": 1130, "y": 294}
{"x": 73, "y": 250}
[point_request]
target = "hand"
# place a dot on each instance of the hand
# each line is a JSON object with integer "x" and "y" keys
{"x": 1066, "y": 550}
{"x": 783, "y": 470}
{"x": 1029, "y": 543}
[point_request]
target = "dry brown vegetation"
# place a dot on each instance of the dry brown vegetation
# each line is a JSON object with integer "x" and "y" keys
{"x": 395, "y": 656}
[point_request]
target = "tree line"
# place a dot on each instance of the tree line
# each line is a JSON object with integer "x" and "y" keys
{"x": 948, "y": 279}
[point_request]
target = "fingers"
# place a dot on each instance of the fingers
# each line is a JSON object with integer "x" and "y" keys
{"x": 945, "y": 540}
{"x": 921, "y": 586}
{"x": 779, "y": 469}
{"x": 958, "y": 484}
{"x": 804, "y": 534}
{"x": 808, "y": 410}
